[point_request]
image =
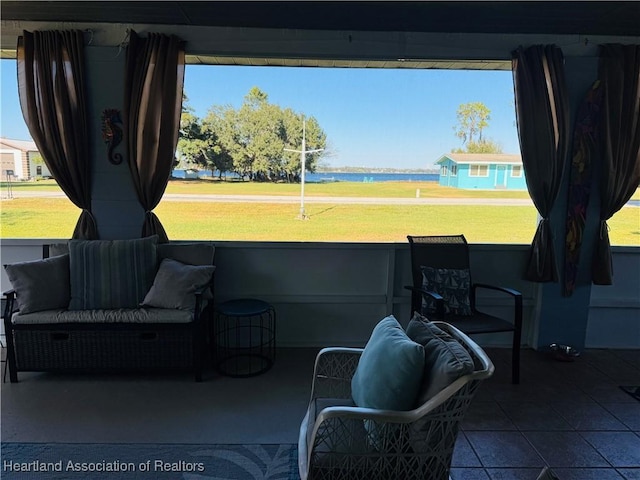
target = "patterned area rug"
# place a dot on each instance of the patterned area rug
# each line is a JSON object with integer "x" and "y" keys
{"x": 71, "y": 461}
{"x": 634, "y": 391}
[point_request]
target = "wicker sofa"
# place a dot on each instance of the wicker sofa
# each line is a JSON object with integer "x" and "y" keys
{"x": 111, "y": 306}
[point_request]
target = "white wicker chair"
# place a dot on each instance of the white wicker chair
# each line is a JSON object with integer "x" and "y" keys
{"x": 416, "y": 444}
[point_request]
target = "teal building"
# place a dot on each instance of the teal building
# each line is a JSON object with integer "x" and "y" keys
{"x": 483, "y": 171}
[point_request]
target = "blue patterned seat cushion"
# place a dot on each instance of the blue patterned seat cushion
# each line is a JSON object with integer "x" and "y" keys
{"x": 452, "y": 285}
{"x": 108, "y": 274}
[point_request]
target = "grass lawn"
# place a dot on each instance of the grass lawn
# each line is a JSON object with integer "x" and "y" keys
{"x": 55, "y": 218}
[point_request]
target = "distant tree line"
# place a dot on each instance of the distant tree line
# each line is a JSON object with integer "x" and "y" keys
{"x": 249, "y": 141}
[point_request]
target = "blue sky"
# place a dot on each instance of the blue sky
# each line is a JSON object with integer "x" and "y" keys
{"x": 373, "y": 117}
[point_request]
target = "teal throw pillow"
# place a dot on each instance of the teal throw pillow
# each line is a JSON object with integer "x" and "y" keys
{"x": 446, "y": 359}
{"x": 452, "y": 285}
{"x": 109, "y": 274}
{"x": 390, "y": 369}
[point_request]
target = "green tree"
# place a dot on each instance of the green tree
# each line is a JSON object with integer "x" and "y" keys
{"x": 191, "y": 141}
{"x": 262, "y": 131}
{"x": 251, "y": 141}
{"x": 315, "y": 139}
{"x": 484, "y": 146}
{"x": 199, "y": 144}
{"x": 473, "y": 118}
{"x": 217, "y": 127}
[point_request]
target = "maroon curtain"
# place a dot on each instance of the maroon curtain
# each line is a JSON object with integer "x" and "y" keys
{"x": 542, "y": 113}
{"x": 154, "y": 80}
{"x": 51, "y": 87}
{"x": 619, "y": 74}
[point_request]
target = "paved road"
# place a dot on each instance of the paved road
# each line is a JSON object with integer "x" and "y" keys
{"x": 183, "y": 197}
{"x": 348, "y": 200}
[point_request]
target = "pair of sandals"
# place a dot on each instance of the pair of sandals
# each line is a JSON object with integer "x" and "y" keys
{"x": 564, "y": 353}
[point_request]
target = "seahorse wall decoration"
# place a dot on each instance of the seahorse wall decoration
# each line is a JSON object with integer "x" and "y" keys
{"x": 112, "y": 133}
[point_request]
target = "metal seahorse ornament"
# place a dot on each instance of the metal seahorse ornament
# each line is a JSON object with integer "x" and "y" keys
{"x": 112, "y": 133}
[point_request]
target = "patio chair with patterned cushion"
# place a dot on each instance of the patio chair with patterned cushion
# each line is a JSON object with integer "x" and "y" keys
{"x": 443, "y": 290}
{"x": 392, "y": 410}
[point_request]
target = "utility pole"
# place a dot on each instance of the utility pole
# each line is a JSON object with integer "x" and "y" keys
{"x": 303, "y": 162}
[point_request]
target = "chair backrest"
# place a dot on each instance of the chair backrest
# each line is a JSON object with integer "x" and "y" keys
{"x": 437, "y": 251}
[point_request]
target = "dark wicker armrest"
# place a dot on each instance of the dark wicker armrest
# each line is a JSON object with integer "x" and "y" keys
{"x": 10, "y": 305}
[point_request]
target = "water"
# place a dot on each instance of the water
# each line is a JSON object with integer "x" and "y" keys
{"x": 342, "y": 176}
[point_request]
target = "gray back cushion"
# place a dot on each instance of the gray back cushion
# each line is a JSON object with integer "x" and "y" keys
{"x": 446, "y": 359}
{"x": 111, "y": 273}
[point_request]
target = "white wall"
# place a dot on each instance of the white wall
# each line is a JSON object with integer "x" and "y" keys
{"x": 614, "y": 310}
{"x": 334, "y": 293}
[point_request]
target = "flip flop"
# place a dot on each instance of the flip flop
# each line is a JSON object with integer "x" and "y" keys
{"x": 563, "y": 353}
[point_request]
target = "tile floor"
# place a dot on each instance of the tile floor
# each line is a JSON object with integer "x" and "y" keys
{"x": 570, "y": 416}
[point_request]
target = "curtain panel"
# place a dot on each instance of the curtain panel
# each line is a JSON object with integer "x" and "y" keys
{"x": 619, "y": 74}
{"x": 51, "y": 88}
{"x": 542, "y": 114}
{"x": 154, "y": 80}
{"x": 585, "y": 154}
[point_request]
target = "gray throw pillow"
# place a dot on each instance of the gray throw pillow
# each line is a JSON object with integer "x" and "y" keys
{"x": 446, "y": 359}
{"x": 176, "y": 283}
{"x": 41, "y": 284}
{"x": 201, "y": 253}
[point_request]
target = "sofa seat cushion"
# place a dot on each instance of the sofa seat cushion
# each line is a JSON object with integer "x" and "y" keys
{"x": 137, "y": 315}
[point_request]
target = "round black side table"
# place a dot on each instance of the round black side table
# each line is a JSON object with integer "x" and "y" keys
{"x": 244, "y": 337}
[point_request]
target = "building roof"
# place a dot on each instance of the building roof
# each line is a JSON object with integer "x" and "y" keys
{"x": 24, "y": 145}
{"x": 481, "y": 158}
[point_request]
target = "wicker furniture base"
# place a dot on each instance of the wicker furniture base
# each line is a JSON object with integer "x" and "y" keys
{"x": 173, "y": 337}
{"x": 107, "y": 347}
{"x": 58, "y": 348}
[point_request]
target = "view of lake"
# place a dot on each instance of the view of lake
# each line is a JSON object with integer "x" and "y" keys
{"x": 341, "y": 176}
